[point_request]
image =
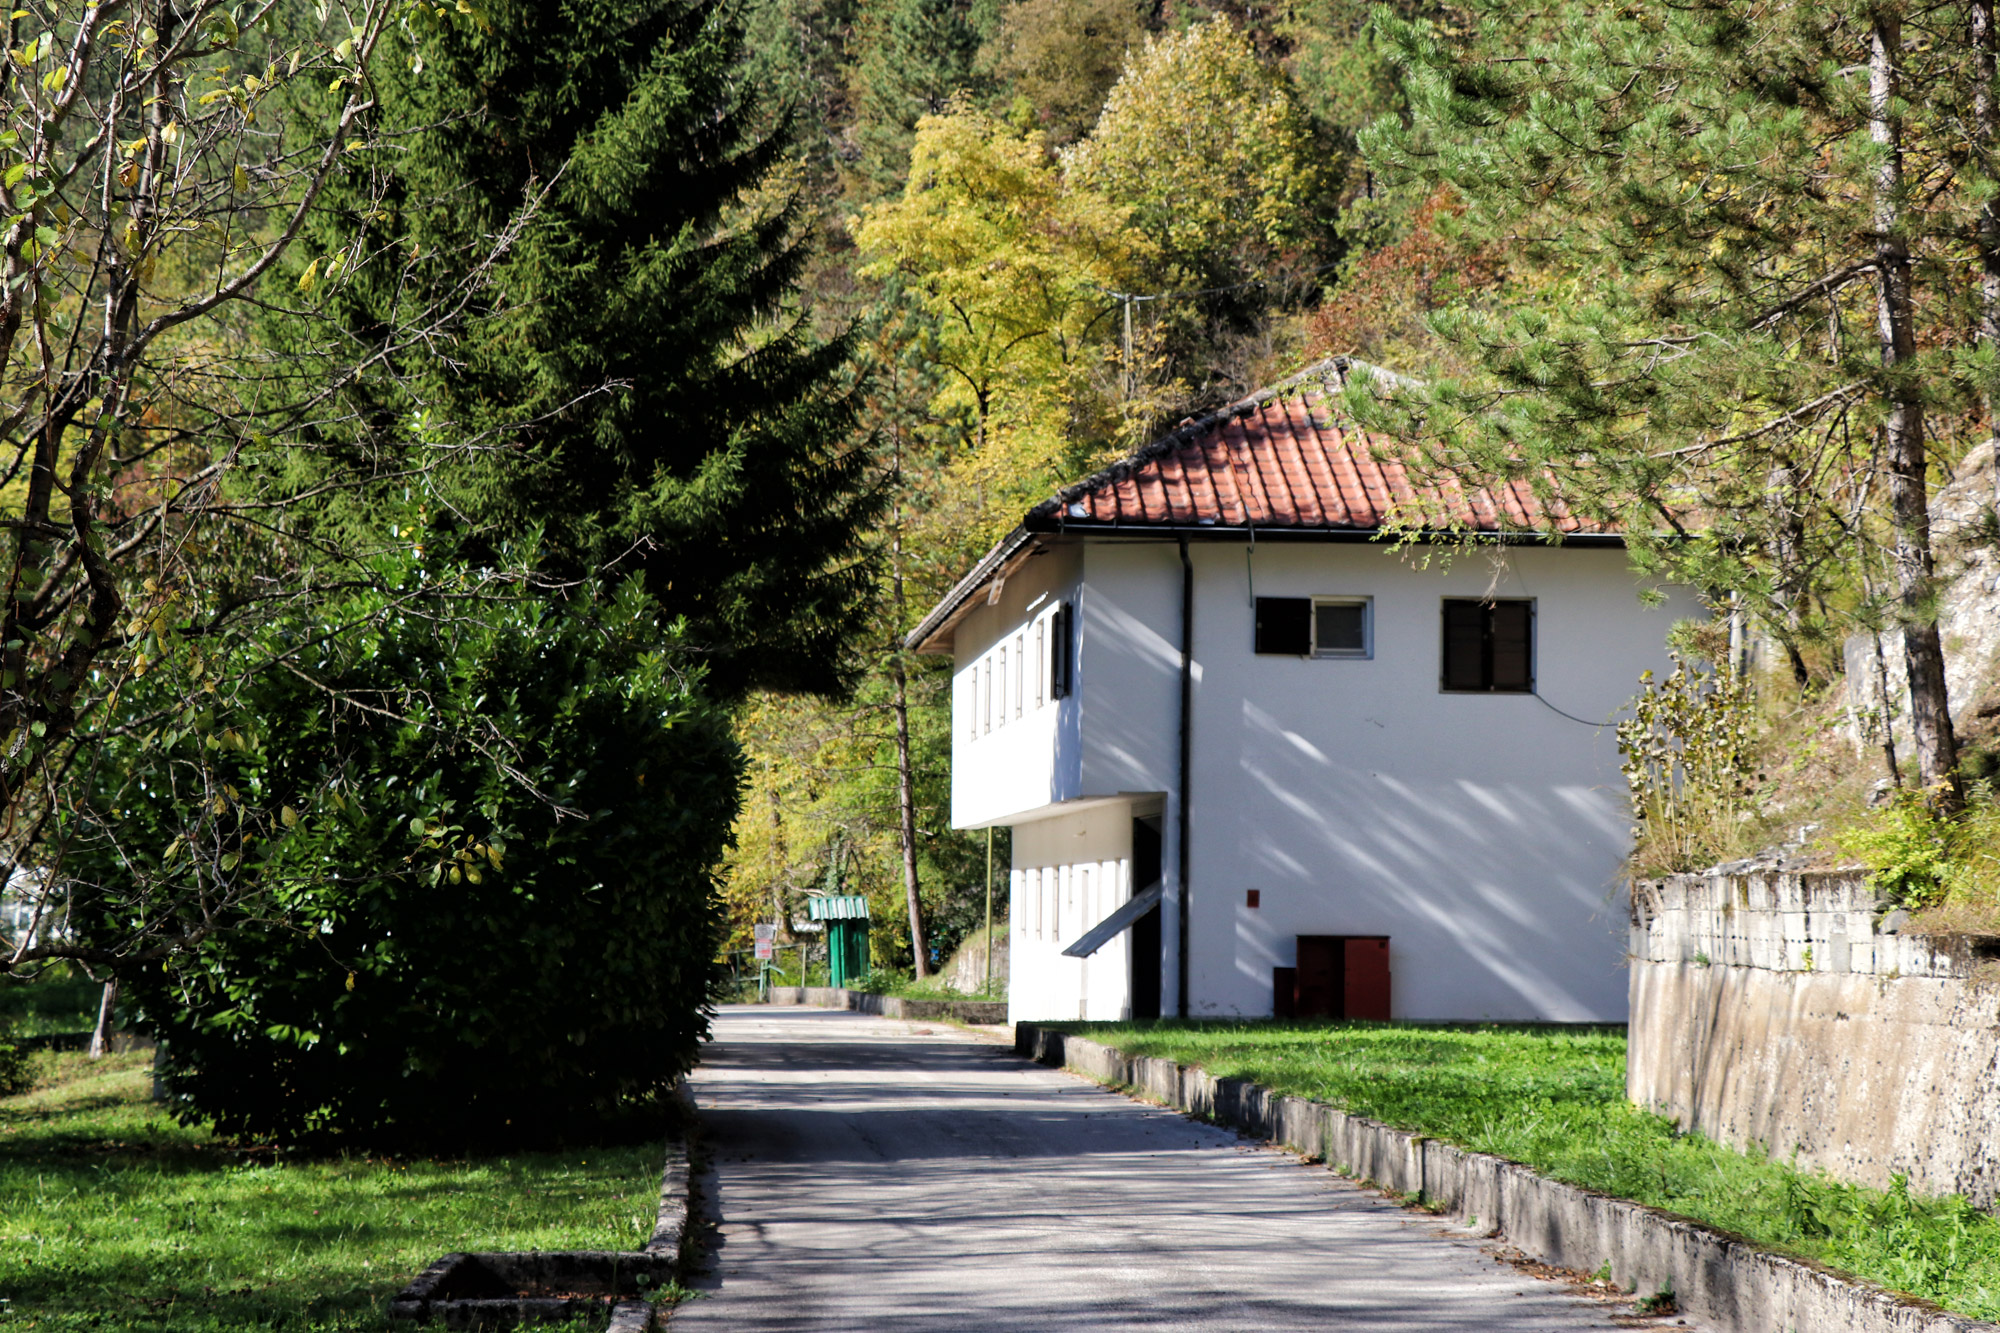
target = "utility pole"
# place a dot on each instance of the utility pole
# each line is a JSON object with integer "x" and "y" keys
{"x": 988, "y": 988}
{"x": 1127, "y": 364}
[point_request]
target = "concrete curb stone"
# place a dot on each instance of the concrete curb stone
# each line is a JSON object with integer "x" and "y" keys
{"x": 1717, "y": 1278}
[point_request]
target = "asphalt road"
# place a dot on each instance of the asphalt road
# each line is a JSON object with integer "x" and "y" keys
{"x": 879, "y": 1175}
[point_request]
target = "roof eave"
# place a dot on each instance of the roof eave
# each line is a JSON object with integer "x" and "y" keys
{"x": 930, "y": 634}
{"x": 1264, "y": 532}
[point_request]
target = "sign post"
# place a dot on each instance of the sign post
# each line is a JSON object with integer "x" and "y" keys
{"x": 766, "y": 935}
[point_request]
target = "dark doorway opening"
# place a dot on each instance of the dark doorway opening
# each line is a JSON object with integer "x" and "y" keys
{"x": 1145, "y": 939}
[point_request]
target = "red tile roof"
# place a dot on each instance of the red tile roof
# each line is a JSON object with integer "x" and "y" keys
{"x": 1283, "y": 459}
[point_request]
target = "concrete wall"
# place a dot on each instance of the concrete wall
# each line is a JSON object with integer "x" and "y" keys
{"x": 1787, "y": 1011}
{"x": 1070, "y": 871}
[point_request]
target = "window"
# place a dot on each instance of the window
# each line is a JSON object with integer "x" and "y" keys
{"x": 1041, "y": 660}
{"x": 1020, "y": 670}
{"x": 986, "y": 695}
{"x": 1315, "y": 626}
{"x": 972, "y": 703}
{"x": 1000, "y": 675}
{"x": 1489, "y": 647}
{"x": 1342, "y": 627}
{"x": 1062, "y": 634}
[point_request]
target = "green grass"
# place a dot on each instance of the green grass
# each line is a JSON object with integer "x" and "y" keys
{"x": 56, "y": 1001}
{"x": 113, "y": 1217}
{"x": 1554, "y": 1099}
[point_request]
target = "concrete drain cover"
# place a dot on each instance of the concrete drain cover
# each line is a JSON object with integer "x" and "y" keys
{"x": 498, "y": 1291}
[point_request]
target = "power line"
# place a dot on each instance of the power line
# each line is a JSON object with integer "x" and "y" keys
{"x": 1130, "y": 299}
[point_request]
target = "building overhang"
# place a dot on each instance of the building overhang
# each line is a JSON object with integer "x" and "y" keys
{"x": 933, "y": 634}
{"x": 1141, "y": 803}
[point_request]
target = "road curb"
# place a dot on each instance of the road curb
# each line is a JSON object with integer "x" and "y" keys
{"x": 1715, "y": 1277}
{"x": 670, "y": 1225}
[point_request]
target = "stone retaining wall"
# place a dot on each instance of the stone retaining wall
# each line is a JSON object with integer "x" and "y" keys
{"x": 891, "y": 1006}
{"x": 1716, "y": 1278}
{"x": 1791, "y": 1011}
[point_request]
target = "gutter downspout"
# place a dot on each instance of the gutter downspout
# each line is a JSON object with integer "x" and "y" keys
{"x": 1187, "y": 748}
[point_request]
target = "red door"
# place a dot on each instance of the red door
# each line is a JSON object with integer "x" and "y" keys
{"x": 1365, "y": 988}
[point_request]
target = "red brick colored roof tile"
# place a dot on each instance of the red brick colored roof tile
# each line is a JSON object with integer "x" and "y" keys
{"x": 1285, "y": 459}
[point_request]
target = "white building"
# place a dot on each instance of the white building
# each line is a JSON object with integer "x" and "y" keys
{"x": 1232, "y": 734}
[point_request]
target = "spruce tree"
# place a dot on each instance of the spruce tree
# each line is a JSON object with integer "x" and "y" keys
{"x": 914, "y": 57}
{"x": 1747, "y": 338}
{"x": 632, "y": 367}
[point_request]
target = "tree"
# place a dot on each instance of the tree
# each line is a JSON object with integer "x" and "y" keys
{"x": 915, "y": 57}
{"x": 1208, "y": 147}
{"x": 644, "y": 389}
{"x": 481, "y": 824}
{"x": 143, "y": 208}
{"x": 1752, "y": 344}
{"x": 1012, "y": 265}
{"x": 1060, "y": 57}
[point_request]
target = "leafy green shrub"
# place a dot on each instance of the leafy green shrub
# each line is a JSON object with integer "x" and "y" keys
{"x": 16, "y": 1064}
{"x": 59, "y": 999}
{"x": 1909, "y": 849}
{"x": 1690, "y": 762}
{"x": 881, "y": 981}
{"x": 480, "y": 830}
{"x": 1923, "y": 860}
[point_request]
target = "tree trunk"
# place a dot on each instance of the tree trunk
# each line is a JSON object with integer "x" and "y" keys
{"x": 782, "y": 917}
{"x": 1909, "y": 499}
{"x": 1985, "y": 136}
{"x": 100, "y": 1040}
{"x": 906, "y": 795}
{"x": 907, "y": 825}
{"x": 1985, "y": 133}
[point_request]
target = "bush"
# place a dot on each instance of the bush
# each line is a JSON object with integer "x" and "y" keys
{"x": 1690, "y": 765}
{"x": 17, "y": 1072}
{"x": 481, "y": 828}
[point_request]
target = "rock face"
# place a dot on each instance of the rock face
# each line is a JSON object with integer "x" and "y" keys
{"x": 1963, "y": 530}
{"x": 966, "y": 972}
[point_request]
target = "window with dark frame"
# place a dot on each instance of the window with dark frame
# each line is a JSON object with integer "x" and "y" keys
{"x": 1315, "y": 626}
{"x": 1341, "y": 628}
{"x": 1062, "y": 634}
{"x": 1489, "y": 646}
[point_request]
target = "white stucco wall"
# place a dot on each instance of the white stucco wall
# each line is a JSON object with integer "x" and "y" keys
{"x": 1069, "y": 872}
{"x": 1482, "y": 833}
{"x": 1026, "y": 757}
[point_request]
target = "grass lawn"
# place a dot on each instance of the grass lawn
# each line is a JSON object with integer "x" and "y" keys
{"x": 114, "y": 1217}
{"x": 55, "y": 1002}
{"x": 1554, "y": 1099}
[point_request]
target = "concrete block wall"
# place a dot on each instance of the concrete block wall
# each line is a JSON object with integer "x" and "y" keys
{"x": 1790, "y": 1011}
{"x": 1721, "y": 1281}
{"x": 1790, "y": 921}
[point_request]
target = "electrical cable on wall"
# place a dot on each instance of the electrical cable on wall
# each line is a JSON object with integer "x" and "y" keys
{"x": 1536, "y": 694}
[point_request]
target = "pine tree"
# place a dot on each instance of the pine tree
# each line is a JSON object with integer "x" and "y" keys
{"x": 646, "y": 393}
{"x": 1751, "y": 344}
{"x": 914, "y": 57}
